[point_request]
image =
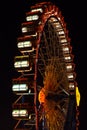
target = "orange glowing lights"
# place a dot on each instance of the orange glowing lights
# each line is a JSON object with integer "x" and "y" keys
{"x": 41, "y": 96}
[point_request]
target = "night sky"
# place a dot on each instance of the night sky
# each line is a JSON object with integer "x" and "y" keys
{"x": 12, "y": 14}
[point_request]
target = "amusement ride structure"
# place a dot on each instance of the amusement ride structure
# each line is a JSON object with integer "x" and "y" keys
{"x": 46, "y": 91}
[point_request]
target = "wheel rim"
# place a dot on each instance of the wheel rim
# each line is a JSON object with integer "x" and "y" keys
{"x": 50, "y": 53}
{"x": 55, "y": 82}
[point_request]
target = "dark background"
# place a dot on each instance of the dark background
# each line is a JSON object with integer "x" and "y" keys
{"x": 12, "y": 14}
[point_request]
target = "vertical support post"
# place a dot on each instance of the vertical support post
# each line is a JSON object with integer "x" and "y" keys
{"x": 35, "y": 97}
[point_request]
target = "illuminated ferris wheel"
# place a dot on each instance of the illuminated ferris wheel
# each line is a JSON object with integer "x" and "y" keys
{"x": 45, "y": 88}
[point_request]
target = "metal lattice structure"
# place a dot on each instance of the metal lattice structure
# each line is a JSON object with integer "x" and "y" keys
{"x": 45, "y": 88}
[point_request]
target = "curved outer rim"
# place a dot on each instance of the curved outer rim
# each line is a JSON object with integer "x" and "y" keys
{"x": 48, "y": 10}
{"x": 55, "y": 12}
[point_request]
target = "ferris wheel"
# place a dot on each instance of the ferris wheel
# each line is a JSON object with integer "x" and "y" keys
{"x": 45, "y": 88}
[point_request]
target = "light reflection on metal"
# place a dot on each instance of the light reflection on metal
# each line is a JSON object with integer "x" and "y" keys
{"x": 32, "y": 116}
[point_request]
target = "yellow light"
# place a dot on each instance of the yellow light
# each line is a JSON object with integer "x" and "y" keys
{"x": 77, "y": 96}
{"x": 38, "y": 9}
